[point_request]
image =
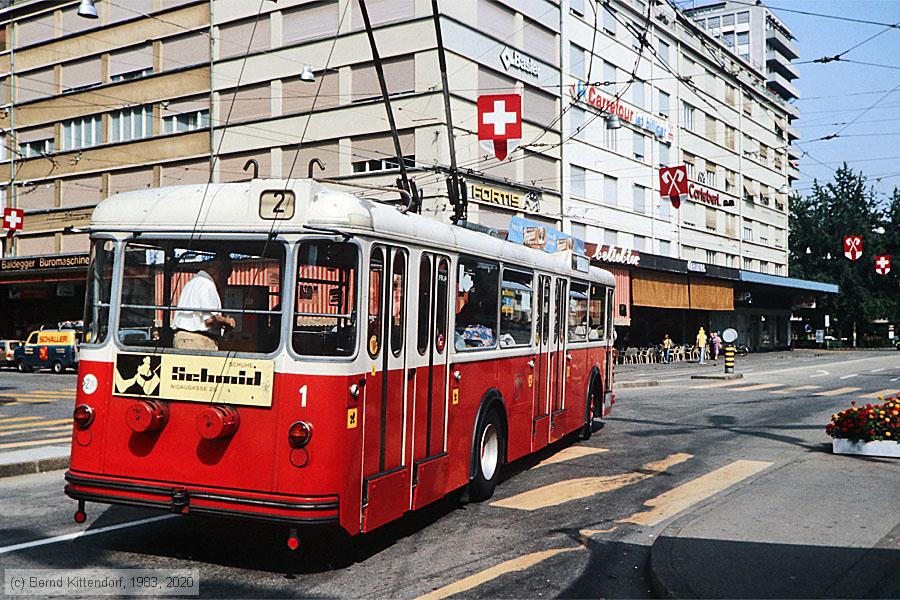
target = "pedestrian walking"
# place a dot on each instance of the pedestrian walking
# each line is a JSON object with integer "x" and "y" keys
{"x": 667, "y": 346}
{"x": 715, "y": 344}
{"x": 701, "y": 345}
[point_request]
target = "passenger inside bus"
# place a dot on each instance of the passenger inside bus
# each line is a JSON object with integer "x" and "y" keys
{"x": 202, "y": 329}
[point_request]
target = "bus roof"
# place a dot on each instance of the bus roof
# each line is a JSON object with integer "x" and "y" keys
{"x": 236, "y": 208}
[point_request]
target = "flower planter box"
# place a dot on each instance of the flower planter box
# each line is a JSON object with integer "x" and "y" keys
{"x": 889, "y": 449}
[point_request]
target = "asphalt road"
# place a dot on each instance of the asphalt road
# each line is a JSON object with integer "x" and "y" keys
{"x": 581, "y": 526}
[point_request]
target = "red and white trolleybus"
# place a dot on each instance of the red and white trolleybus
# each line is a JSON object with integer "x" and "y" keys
{"x": 376, "y": 360}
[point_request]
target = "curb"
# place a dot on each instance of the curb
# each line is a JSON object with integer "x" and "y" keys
{"x": 38, "y": 464}
{"x": 624, "y": 385}
{"x": 723, "y": 376}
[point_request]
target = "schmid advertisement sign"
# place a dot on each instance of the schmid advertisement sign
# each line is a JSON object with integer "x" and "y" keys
{"x": 592, "y": 96}
{"x": 206, "y": 379}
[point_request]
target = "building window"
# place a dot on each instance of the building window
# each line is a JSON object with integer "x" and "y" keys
{"x": 743, "y": 17}
{"x": 730, "y": 177}
{"x": 576, "y": 61}
{"x": 637, "y": 93}
{"x": 728, "y": 39}
{"x": 382, "y": 164}
{"x": 730, "y": 94}
{"x": 136, "y": 74}
{"x": 36, "y": 148}
{"x": 131, "y": 124}
{"x": 576, "y": 180}
{"x": 689, "y": 165}
{"x": 727, "y": 20}
{"x": 663, "y": 51}
{"x": 663, "y": 154}
{"x": 710, "y": 218}
{"x": 665, "y": 247}
{"x": 639, "y": 150}
{"x": 640, "y": 243}
{"x": 663, "y": 103}
{"x": 609, "y": 139}
{"x": 609, "y": 76}
{"x": 748, "y": 232}
{"x": 640, "y": 199}
{"x": 687, "y": 120}
{"x": 730, "y": 135}
{"x": 763, "y": 233}
{"x": 663, "y": 211}
{"x": 577, "y": 123}
{"x": 82, "y": 133}
{"x": 743, "y": 43}
{"x": 609, "y": 20}
{"x": 711, "y": 133}
{"x": 748, "y": 264}
{"x": 713, "y": 24}
{"x": 577, "y": 7}
{"x": 610, "y": 186}
{"x": 610, "y": 237}
{"x": 709, "y": 176}
{"x": 186, "y": 121}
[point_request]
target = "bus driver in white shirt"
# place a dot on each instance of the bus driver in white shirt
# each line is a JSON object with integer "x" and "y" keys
{"x": 201, "y": 329}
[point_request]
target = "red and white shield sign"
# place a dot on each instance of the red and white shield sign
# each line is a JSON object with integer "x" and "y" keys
{"x": 853, "y": 246}
{"x": 673, "y": 184}
{"x": 500, "y": 123}
{"x": 883, "y": 264}
{"x": 13, "y": 218}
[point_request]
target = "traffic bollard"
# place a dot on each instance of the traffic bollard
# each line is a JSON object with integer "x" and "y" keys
{"x": 729, "y": 359}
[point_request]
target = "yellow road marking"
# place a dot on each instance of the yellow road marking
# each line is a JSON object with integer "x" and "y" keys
{"x": 55, "y": 428}
{"x": 755, "y": 387}
{"x": 17, "y": 419}
{"x": 719, "y": 384}
{"x": 23, "y": 426}
{"x": 570, "y": 453}
{"x": 36, "y": 442}
{"x": 37, "y": 400}
{"x": 516, "y": 564}
{"x": 586, "y": 534}
{"x": 882, "y": 393}
{"x": 837, "y": 391}
{"x": 799, "y": 388}
{"x": 677, "y": 499}
{"x": 574, "y": 489}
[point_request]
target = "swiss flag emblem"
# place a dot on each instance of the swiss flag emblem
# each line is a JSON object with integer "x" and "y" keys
{"x": 13, "y": 218}
{"x": 883, "y": 264}
{"x": 500, "y": 123}
{"x": 853, "y": 247}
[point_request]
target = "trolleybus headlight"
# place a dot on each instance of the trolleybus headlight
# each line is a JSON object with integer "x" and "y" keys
{"x": 83, "y": 415}
{"x": 299, "y": 434}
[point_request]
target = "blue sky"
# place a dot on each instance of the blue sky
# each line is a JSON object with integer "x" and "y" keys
{"x": 836, "y": 93}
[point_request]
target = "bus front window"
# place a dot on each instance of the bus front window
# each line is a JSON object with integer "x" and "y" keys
{"x": 213, "y": 296}
{"x": 99, "y": 286}
{"x": 325, "y": 313}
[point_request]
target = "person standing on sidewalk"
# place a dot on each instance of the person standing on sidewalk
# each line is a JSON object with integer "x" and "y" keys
{"x": 715, "y": 344}
{"x": 701, "y": 345}
{"x": 667, "y": 348}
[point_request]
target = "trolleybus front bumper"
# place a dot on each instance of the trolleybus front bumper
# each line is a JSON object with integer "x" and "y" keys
{"x": 184, "y": 499}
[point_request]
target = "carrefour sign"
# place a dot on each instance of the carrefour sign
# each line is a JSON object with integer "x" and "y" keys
{"x": 589, "y": 94}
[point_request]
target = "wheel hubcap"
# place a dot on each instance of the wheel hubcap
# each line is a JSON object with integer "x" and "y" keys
{"x": 490, "y": 451}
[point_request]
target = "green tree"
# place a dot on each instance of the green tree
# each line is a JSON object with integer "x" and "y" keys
{"x": 846, "y": 206}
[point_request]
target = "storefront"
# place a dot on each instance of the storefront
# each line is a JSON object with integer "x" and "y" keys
{"x": 40, "y": 291}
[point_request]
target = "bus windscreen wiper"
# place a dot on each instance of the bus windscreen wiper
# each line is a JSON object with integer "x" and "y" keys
{"x": 345, "y": 236}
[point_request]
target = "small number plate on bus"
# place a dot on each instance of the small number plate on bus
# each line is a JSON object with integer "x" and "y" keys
{"x": 276, "y": 205}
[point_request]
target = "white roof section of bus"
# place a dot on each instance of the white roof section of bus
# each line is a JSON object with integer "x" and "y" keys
{"x": 234, "y": 207}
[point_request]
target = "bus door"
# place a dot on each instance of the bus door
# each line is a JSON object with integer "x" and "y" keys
{"x": 386, "y": 472}
{"x": 430, "y": 354}
{"x": 558, "y": 357}
{"x": 541, "y": 388}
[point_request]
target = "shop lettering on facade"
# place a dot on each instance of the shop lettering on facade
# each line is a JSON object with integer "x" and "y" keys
{"x": 696, "y": 267}
{"x": 513, "y": 59}
{"x": 590, "y": 95}
{"x": 612, "y": 254}
{"x": 698, "y": 193}
{"x": 38, "y": 263}
{"x": 524, "y": 201}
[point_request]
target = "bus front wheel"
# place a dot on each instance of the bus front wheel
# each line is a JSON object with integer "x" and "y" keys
{"x": 491, "y": 448}
{"x": 23, "y": 368}
{"x": 58, "y": 367}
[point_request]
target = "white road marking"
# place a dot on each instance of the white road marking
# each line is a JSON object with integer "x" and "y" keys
{"x": 72, "y": 536}
{"x": 877, "y": 370}
{"x": 850, "y": 375}
{"x": 821, "y": 373}
{"x": 896, "y": 379}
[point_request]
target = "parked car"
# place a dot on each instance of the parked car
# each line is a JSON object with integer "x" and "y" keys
{"x": 48, "y": 349}
{"x": 7, "y": 352}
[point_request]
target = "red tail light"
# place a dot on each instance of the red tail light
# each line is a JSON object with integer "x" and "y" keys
{"x": 147, "y": 416}
{"x": 83, "y": 415}
{"x": 299, "y": 434}
{"x": 218, "y": 422}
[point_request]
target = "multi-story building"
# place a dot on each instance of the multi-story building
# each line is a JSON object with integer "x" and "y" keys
{"x": 157, "y": 92}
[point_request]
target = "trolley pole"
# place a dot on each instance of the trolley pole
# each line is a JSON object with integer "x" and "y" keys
{"x": 729, "y": 359}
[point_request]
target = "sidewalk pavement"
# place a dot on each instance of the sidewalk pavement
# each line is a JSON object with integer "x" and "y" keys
{"x": 821, "y": 526}
{"x": 34, "y": 460}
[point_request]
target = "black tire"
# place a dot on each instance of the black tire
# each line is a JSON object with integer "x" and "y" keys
{"x": 58, "y": 368}
{"x": 490, "y": 448}
{"x": 23, "y": 368}
{"x": 594, "y": 404}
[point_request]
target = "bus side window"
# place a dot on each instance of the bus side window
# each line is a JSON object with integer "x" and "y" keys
{"x": 516, "y": 306}
{"x": 423, "y": 332}
{"x": 443, "y": 289}
{"x": 578, "y": 312}
{"x": 376, "y": 279}
{"x": 597, "y": 312}
{"x": 398, "y": 306}
{"x": 476, "y": 304}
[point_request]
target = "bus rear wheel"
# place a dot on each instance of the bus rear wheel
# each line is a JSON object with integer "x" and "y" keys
{"x": 491, "y": 448}
{"x": 58, "y": 367}
{"x": 23, "y": 368}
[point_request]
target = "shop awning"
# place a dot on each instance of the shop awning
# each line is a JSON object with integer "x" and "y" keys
{"x": 789, "y": 282}
{"x": 710, "y": 294}
{"x": 660, "y": 290}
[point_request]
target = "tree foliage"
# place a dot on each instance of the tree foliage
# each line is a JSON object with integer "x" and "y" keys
{"x": 818, "y": 223}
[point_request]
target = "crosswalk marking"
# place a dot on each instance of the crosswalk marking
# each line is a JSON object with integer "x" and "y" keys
{"x": 837, "y": 391}
{"x": 755, "y": 387}
{"x": 574, "y": 489}
{"x": 18, "y": 419}
{"x": 24, "y": 426}
{"x": 45, "y": 442}
{"x": 882, "y": 393}
{"x": 570, "y": 453}
{"x": 674, "y": 501}
{"x": 51, "y": 429}
{"x": 799, "y": 388}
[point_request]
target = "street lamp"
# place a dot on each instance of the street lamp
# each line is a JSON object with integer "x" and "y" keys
{"x": 87, "y": 9}
{"x": 613, "y": 122}
{"x": 785, "y": 189}
{"x": 879, "y": 230}
{"x": 307, "y": 75}
{"x": 808, "y": 250}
